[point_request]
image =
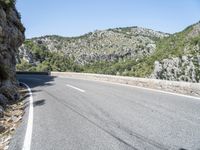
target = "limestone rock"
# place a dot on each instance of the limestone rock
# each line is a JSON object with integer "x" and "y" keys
{"x": 185, "y": 68}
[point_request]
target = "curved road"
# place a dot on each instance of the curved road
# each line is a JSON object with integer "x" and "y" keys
{"x": 74, "y": 114}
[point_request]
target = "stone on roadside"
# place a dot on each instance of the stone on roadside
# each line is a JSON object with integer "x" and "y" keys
{"x": 3, "y": 100}
{"x": 1, "y": 112}
{"x": 2, "y": 129}
{"x": 10, "y": 92}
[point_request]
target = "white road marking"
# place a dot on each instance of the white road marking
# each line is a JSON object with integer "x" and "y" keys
{"x": 75, "y": 88}
{"x": 28, "y": 136}
{"x": 139, "y": 87}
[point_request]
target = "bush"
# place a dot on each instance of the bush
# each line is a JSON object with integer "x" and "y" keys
{"x": 7, "y": 3}
{"x": 23, "y": 66}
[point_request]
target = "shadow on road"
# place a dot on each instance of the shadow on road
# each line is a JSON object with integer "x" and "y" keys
{"x": 39, "y": 103}
{"x": 36, "y": 80}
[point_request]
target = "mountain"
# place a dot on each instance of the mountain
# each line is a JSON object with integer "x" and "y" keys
{"x": 107, "y": 45}
{"x": 130, "y": 51}
{"x": 99, "y": 46}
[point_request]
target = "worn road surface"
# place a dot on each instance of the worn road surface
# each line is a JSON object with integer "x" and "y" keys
{"x": 74, "y": 114}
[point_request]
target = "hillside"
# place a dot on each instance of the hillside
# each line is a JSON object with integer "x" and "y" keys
{"x": 107, "y": 45}
{"x": 131, "y": 51}
{"x": 178, "y": 56}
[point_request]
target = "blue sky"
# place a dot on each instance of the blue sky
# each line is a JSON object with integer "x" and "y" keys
{"x": 76, "y": 17}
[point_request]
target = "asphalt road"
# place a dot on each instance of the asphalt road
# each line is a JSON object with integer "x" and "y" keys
{"x": 74, "y": 114}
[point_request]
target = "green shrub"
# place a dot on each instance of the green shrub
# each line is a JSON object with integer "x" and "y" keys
{"x": 23, "y": 66}
{"x": 7, "y": 3}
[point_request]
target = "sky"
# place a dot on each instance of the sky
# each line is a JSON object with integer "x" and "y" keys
{"x": 76, "y": 17}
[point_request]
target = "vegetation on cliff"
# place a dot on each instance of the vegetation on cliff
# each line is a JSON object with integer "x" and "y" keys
{"x": 7, "y": 3}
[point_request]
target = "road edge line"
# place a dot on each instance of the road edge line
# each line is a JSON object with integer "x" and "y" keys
{"x": 29, "y": 129}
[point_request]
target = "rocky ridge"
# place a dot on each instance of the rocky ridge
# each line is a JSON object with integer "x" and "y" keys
{"x": 105, "y": 45}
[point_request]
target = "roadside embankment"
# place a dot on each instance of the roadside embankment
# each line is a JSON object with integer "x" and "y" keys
{"x": 186, "y": 88}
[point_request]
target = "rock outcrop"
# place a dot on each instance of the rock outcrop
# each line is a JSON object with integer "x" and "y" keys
{"x": 185, "y": 68}
{"x": 11, "y": 38}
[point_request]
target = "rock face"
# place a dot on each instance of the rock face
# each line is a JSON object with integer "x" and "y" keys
{"x": 185, "y": 68}
{"x": 11, "y": 37}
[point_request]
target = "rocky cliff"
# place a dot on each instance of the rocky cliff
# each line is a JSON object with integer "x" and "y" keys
{"x": 11, "y": 37}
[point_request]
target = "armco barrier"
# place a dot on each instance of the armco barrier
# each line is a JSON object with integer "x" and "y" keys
{"x": 32, "y": 73}
{"x": 186, "y": 88}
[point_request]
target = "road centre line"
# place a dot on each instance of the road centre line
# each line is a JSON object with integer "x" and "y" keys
{"x": 81, "y": 90}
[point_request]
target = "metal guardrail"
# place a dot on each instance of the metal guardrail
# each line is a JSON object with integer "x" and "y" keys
{"x": 32, "y": 73}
